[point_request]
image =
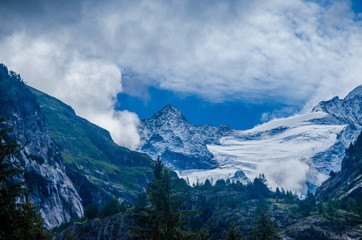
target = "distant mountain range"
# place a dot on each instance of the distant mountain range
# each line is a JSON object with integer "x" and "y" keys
{"x": 296, "y": 153}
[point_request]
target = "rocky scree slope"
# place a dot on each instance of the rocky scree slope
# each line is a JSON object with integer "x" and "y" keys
{"x": 53, "y": 192}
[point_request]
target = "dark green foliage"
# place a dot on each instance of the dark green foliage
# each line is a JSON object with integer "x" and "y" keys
{"x": 349, "y": 204}
{"x": 18, "y": 220}
{"x": 219, "y": 185}
{"x": 332, "y": 173}
{"x": 316, "y": 235}
{"x": 112, "y": 207}
{"x": 91, "y": 211}
{"x": 264, "y": 227}
{"x": 259, "y": 189}
{"x": 162, "y": 219}
{"x": 214, "y": 208}
{"x": 206, "y": 186}
{"x": 65, "y": 225}
{"x": 352, "y": 204}
{"x": 330, "y": 211}
{"x": 278, "y": 194}
{"x": 141, "y": 202}
{"x": 233, "y": 234}
{"x": 307, "y": 205}
{"x": 12, "y": 88}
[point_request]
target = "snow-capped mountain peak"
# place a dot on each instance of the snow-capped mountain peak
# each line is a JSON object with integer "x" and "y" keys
{"x": 296, "y": 153}
{"x": 169, "y": 112}
{"x": 180, "y": 144}
{"x": 357, "y": 92}
{"x": 343, "y": 111}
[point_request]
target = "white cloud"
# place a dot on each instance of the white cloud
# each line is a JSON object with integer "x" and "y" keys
{"x": 292, "y": 52}
{"x": 89, "y": 85}
{"x": 291, "y": 174}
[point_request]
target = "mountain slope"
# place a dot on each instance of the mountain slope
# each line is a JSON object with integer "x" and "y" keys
{"x": 180, "y": 144}
{"x": 69, "y": 161}
{"x": 53, "y": 192}
{"x": 347, "y": 182}
{"x": 296, "y": 153}
{"x": 99, "y": 168}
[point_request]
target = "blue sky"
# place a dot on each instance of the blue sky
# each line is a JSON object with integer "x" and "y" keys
{"x": 220, "y": 62}
{"x": 236, "y": 114}
{"x": 357, "y": 6}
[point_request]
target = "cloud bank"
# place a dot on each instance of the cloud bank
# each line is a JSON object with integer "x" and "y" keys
{"x": 291, "y": 52}
{"x": 89, "y": 85}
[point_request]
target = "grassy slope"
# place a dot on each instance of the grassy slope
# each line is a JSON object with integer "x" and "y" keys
{"x": 88, "y": 150}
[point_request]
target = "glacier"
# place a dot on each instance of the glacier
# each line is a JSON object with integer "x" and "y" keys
{"x": 296, "y": 153}
{"x": 281, "y": 149}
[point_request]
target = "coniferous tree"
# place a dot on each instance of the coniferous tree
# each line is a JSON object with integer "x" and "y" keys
{"x": 141, "y": 202}
{"x": 264, "y": 228}
{"x": 162, "y": 219}
{"x": 307, "y": 205}
{"x": 233, "y": 234}
{"x": 18, "y": 216}
{"x": 91, "y": 211}
{"x": 278, "y": 194}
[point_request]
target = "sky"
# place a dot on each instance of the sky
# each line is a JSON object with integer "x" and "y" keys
{"x": 230, "y": 62}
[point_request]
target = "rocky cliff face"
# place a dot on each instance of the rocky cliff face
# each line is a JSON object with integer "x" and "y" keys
{"x": 53, "y": 192}
{"x": 99, "y": 169}
{"x": 347, "y": 182}
{"x": 347, "y": 112}
{"x": 343, "y": 111}
{"x": 180, "y": 144}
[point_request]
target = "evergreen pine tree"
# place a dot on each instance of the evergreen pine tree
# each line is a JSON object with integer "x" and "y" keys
{"x": 18, "y": 216}
{"x": 141, "y": 202}
{"x": 278, "y": 194}
{"x": 233, "y": 234}
{"x": 91, "y": 211}
{"x": 307, "y": 205}
{"x": 264, "y": 228}
{"x": 162, "y": 219}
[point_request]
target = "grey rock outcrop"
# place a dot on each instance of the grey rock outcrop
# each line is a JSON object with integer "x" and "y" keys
{"x": 180, "y": 144}
{"x": 52, "y": 191}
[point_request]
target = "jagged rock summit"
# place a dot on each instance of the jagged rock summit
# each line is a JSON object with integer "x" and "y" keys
{"x": 343, "y": 111}
{"x": 181, "y": 145}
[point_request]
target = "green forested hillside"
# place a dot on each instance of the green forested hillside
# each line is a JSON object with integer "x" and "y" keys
{"x": 253, "y": 210}
{"x": 99, "y": 168}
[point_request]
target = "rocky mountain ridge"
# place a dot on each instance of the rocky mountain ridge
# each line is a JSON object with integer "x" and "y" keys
{"x": 315, "y": 142}
{"x": 178, "y": 142}
{"x": 53, "y": 191}
{"x": 69, "y": 161}
{"x": 100, "y": 169}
